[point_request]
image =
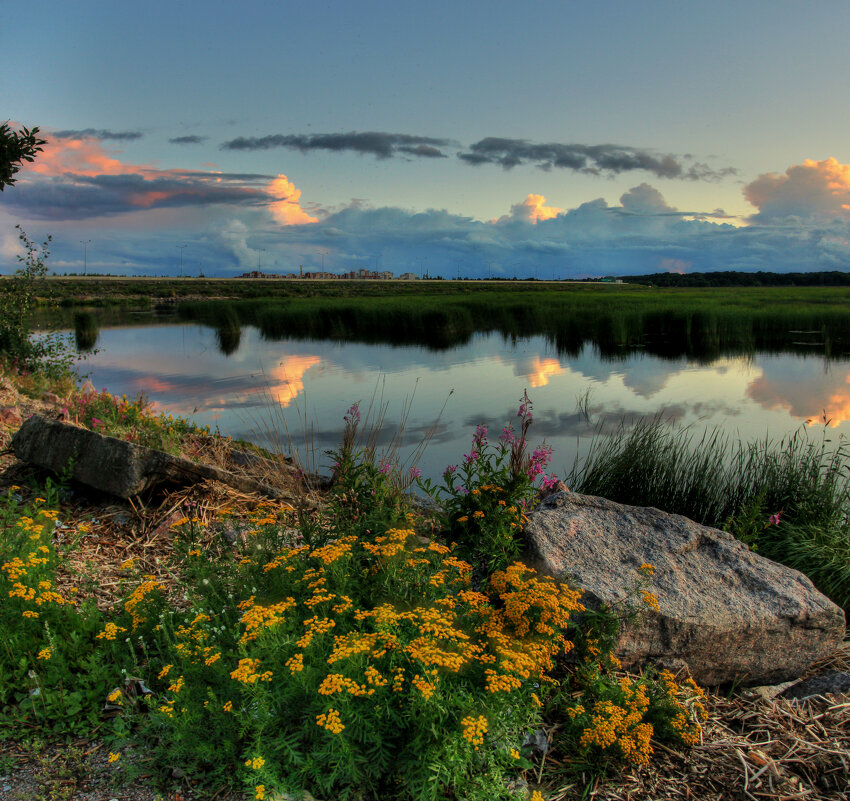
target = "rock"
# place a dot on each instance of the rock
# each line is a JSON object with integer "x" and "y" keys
{"x": 546, "y": 492}
{"x": 769, "y": 691}
{"x": 730, "y": 614}
{"x": 50, "y": 397}
{"x": 113, "y": 465}
{"x": 836, "y": 682}
{"x": 10, "y": 416}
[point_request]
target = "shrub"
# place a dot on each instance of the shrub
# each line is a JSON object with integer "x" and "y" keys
{"x": 484, "y": 499}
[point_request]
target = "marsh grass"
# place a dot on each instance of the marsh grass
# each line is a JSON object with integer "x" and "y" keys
{"x": 737, "y": 486}
{"x": 700, "y": 324}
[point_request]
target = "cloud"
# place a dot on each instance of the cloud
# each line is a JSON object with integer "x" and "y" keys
{"x": 532, "y": 209}
{"x": 644, "y": 199}
{"x": 285, "y": 207}
{"x": 813, "y": 189}
{"x": 98, "y": 133}
{"x": 591, "y": 159}
{"x": 379, "y": 144}
{"x": 77, "y": 179}
{"x": 188, "y": 140}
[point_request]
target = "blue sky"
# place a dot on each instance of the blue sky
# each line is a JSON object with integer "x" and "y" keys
{"x": 662, "y": 135}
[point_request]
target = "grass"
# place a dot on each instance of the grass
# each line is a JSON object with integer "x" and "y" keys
{"x": 699, "y": 324}
{"x": 737, "y": 486}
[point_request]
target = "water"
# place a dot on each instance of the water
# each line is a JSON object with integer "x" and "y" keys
{"x": 305, "y": 387}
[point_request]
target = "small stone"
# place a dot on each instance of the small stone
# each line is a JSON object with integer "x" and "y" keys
{"x": 50, "y": 397}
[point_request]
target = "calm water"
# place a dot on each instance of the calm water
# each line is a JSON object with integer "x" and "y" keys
{"x": 306, "y": 386}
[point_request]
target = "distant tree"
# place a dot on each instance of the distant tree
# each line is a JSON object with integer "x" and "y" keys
{"x": 16, "y": 147}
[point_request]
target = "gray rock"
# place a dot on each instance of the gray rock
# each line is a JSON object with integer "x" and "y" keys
{"x": 730, "y": 614}
{"x": 836, "y": 682}
{"x": 113, "y": 465}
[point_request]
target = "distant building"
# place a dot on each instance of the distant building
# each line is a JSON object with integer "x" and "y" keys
{"x": 408, "y": 277}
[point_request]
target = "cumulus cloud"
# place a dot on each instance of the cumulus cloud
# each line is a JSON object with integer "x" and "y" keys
{"x": 813, "y": 189}
{"x": 188, "y": 140}
{"x": 591, "y": 159}
{"x": 532, "y": 209}
{"x": 98, "y": 133}
{"x": 285, "y": 207}
{"x": 379, "y": 144}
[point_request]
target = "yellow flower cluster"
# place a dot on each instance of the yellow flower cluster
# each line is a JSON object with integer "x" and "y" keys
{"x": 256, "y": 763}
{"x": 315, "y": 625}
{"x": 257, "y": 617}
{"x": 651, "y": 600}
{"x": 248, "y": 672}
{"x": 295, "y": 663}
{"x": 44, "y": 653}
{"x": 389, "y": 544}
{"x": 501, "y": 682}
{"x": 336, "y": 683}
{"x": 474, "y": 729}
{"x": 110, "y": 632}
{"x": 622, "y": 725}
{"x": 335, "y": 550}
{"x": 688, "y": 701}
{"x": 330, "y": 721}
{"x": 137, "y": 598}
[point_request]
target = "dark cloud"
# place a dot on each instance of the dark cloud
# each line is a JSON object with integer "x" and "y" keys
{"x": 379, "y": 144}
{"x": 591, "y": 159}
{"x": 82, "y": 196}
{"x": 98, "y": 133}
{"x": 188, "y": 140}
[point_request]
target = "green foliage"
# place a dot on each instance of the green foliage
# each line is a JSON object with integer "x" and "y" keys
{"x": 132, "y": 420}
{"x": 354, "y": 658}
{"x": 484, "y": 499}
{"x": 49, "y": 354}
{"x": 52, "y": 670}
{"x": 17, "y": 148}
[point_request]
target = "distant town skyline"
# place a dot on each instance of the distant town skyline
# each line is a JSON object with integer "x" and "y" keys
{"x": 571, "y": 139}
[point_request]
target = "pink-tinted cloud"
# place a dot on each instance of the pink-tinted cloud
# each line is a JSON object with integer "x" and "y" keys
{"x": 826, "y": 400}
{"x": 287, "y": 379}
{"x": 532, "y": 209}
{"x": 77, "y": 178}
{"x": 79, "y": 156}
{"x": 811, "y": 189}
{"x": 285, "y": 207}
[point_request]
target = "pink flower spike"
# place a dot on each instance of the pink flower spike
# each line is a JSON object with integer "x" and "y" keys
{"x": 774, "y": 519}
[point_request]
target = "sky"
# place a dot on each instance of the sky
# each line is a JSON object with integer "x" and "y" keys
{"x": 549, "y": 139}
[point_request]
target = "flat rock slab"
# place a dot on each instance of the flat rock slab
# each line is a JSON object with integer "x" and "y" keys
{"x": 113, "y": 465}
{"x": 730, "y": 614}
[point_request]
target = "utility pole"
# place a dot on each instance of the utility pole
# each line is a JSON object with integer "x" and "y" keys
{"x": 180, "y": 247}
{"x": 260, "y": 251}
{"x": 84, "y": 242}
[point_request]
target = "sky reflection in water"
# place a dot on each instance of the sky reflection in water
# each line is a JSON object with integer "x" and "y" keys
{"x": 181, "y": 368}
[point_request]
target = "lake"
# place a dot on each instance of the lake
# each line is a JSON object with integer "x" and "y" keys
{"x": 263, "y": 388}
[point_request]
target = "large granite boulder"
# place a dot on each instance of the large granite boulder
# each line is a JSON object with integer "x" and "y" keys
{"x": 113, "y": 465}
{"x": 730, "y": 614}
